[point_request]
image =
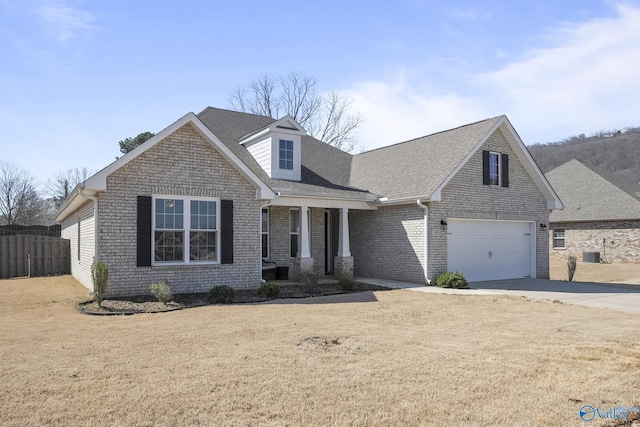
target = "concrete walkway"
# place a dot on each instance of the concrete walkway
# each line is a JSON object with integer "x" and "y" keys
{"x": 624, "y": 298}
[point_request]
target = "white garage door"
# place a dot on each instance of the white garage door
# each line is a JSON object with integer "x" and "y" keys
{"x": 490, "y": 250}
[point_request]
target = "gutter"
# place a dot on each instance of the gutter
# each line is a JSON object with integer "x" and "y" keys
{"x": 403, "y": 201}
{"x": 426, "y": 240}
{"x": 82, "y": 194}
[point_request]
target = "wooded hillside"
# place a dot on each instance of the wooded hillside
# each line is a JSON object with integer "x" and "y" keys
{"x": 616, "y": 152}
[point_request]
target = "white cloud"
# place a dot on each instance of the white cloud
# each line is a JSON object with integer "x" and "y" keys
{"x": 586, "y": 80}
{"x": 62, "y": 21}
{"x": 398, "y": 111}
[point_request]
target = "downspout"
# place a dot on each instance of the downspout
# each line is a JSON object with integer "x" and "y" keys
{"x": 426, "y": 240}
{"x": 82, "y": 194}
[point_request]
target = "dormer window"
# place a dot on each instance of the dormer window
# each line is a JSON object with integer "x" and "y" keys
{"x": 286, "y": 154}
{"x": 278, "y": 149}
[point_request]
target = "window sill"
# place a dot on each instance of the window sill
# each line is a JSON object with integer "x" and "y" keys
{"x": 185, "y": 264}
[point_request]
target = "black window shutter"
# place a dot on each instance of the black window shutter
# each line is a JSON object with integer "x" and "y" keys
{"x": 505, "y": 170}
{"x": 485, "y": 167}
{"x": 226, "y": 226}
{"x": 144, "y": 231}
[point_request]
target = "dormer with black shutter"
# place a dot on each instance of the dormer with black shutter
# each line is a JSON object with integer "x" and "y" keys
{"x": 277, "y": 148}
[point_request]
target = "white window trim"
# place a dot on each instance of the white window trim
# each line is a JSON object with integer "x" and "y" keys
{"x": 564, "y": 238}
{"x": 266, "y": 232}
{"x": 499, "y": 155}
{"x": 186, "y": 229}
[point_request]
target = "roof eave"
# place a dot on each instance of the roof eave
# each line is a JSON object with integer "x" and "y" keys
{"x": 405, "y": 200}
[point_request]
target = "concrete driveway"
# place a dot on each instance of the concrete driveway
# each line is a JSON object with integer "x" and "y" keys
{"x": 624, "y": 298}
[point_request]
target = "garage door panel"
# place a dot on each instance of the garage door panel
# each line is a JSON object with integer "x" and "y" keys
{"x": 489, "y": 250}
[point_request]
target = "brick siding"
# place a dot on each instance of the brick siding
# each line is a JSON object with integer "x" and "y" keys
{"x": 622, "y": 240}
{"x": 389, "y": 242}
{"x": 183, "y": 164}
{"x": 466, "y": 197}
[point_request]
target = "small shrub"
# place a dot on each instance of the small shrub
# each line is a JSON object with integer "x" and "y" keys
{"x": 222, "y": 294}
{"x": 99, "y": 277}
{"x": 309, "y": 279}
{"x": 269, "y": 290}
{"x": 347, "y": 283}
{"x": 162, "y": 291}
{"x": 572, "y": 263}
{"x": 452, "y": 280}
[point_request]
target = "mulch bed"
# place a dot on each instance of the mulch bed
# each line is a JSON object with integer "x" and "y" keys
{"x": 148, "y": 304}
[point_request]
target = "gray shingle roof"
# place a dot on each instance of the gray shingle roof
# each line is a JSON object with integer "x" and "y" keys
{"x": 589, "y": 195}
{"x": 325, "y": 169}
{"x": 417, "y": 167}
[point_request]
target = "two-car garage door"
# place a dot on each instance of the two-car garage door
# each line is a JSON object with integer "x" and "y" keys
{"x": 490, "y": 250}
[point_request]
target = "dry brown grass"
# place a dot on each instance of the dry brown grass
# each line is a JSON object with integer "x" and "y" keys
{"x": 385, "y": 358}
{"x": 589, "y": 272}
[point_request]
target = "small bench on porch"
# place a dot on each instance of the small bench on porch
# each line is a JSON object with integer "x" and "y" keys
{"x": 270, "y": 271}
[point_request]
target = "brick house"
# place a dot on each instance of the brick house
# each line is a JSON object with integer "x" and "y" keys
{"x": 601, "y": 214}
{"x": 210, "y": 197}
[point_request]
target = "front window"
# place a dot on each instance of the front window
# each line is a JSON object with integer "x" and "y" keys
{"x": 265, "y": 233}
{"x": 169, "y": 230}
{"x": 294, "y": 232}
{"x": 558, "y": 238}
{"x": 202, "y": 235}
{"x": 494, "y": 169}
{"x": 174, "y": 218}
{"x": 286, "y": 154}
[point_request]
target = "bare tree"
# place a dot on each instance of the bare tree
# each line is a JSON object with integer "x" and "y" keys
{"x": 65, "y": 182}
{"x": 326, "y": 118}
{"x": 20, "y": 202}
{"x": 335, "y": 125}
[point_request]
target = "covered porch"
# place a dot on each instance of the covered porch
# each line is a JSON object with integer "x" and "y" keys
{"x": 308, "y": 235}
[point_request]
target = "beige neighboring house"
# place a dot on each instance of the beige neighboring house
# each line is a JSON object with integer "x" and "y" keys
{"x": 601, "y": 214}
{"x": 210, "y": 198}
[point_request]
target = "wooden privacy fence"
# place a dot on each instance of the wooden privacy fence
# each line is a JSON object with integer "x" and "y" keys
{"x": 28, "y": 255}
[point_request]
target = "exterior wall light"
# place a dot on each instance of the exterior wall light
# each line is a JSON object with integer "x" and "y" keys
{"x": 543, "y": 225}
{"x": 444, "y": 224}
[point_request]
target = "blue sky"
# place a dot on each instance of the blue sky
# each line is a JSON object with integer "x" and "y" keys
{"x": 77, "y": 76}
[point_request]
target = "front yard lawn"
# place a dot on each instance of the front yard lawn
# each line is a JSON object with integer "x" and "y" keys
{"x": 373, "y": 358}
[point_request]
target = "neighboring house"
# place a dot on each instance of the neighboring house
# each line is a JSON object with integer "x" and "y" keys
{"x": 601, "y": 214}
{"x": 207, "y": 199}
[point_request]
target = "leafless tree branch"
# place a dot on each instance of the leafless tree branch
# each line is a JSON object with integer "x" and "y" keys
{"x": 325, "y": 118}
{"x": 19, "y": 199}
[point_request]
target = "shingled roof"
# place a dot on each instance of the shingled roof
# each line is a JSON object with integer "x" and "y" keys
{"x": 589, "y": 194}
{"x": 417, "y": 167}
{"x": 325, "y": 169}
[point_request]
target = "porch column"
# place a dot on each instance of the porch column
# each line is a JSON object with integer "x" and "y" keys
{"x": 343, "y": 264}
{"x": 343, "y": 242}
{"x": 305, "y": 251}
{"x": 305, "y": 261}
